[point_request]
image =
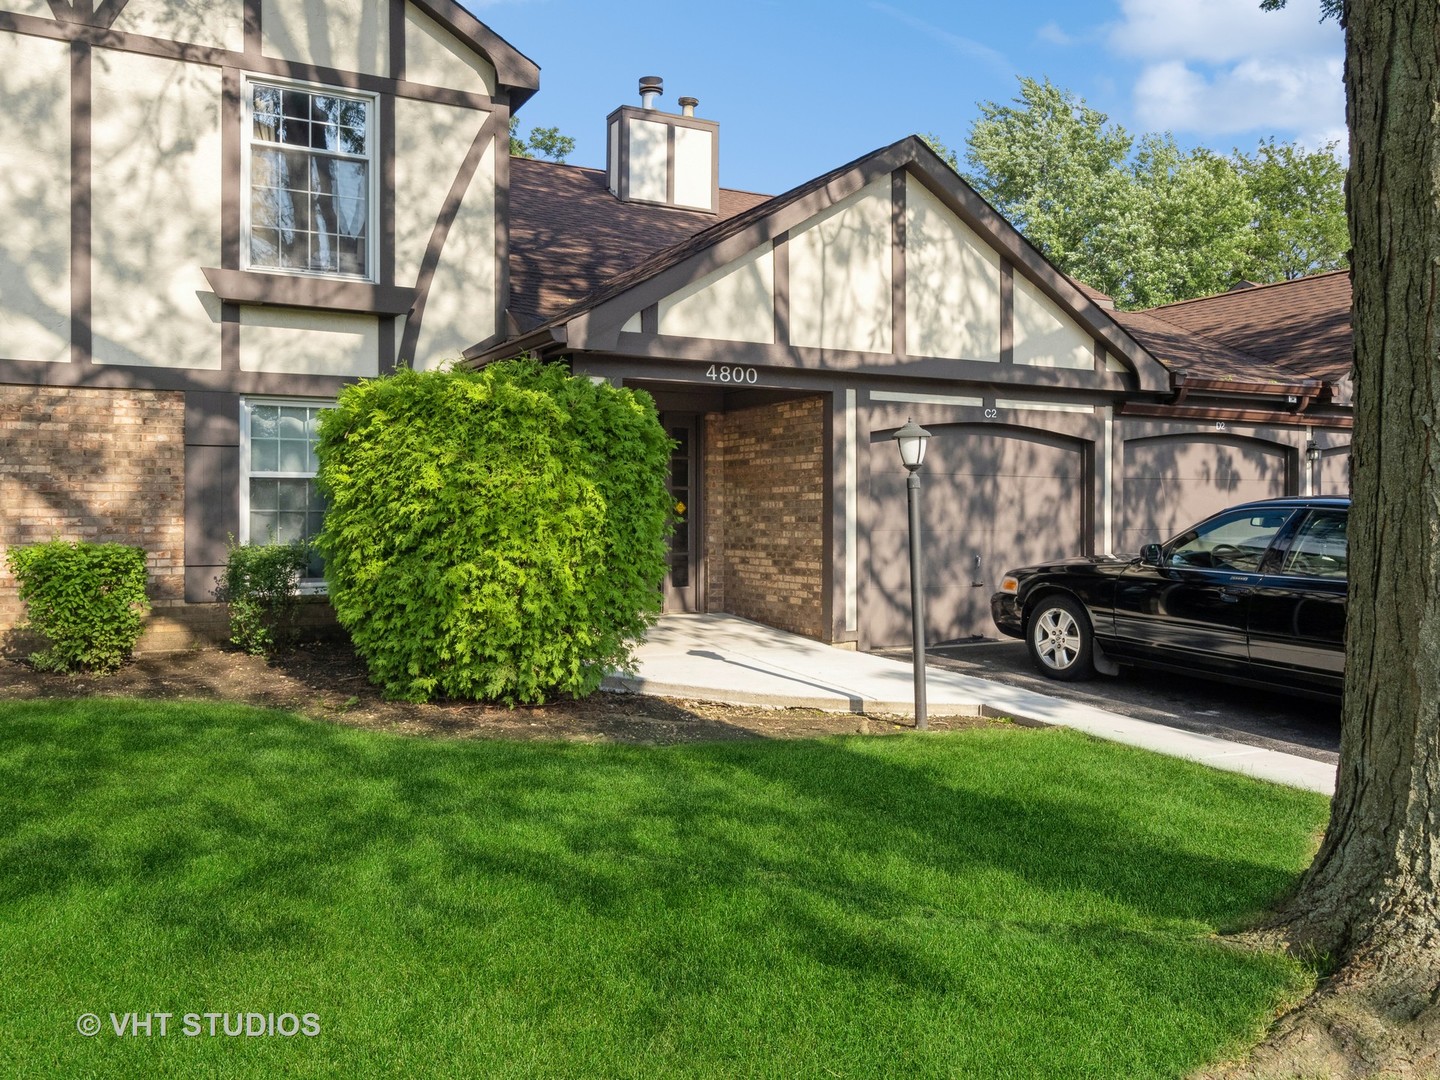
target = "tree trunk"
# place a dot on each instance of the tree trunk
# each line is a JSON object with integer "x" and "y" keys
{"x": 1371, "y": 900}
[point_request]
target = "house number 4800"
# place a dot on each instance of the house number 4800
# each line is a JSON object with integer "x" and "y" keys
{"x": 725, "y": 373}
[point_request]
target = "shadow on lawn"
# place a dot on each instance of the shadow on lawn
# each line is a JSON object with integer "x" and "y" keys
{"x": 242, "y": 830}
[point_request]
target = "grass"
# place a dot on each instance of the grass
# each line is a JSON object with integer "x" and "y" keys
{"x": 996, "y": 903}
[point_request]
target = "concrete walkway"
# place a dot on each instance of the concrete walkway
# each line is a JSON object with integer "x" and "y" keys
{"x": 729, "y": 659}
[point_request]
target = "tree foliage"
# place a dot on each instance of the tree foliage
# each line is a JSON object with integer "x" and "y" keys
{"x": 87, "y": 600}
{"x": 545, "y": 142}
{"x": 497, "y": 534}
{"x": 1143, "y": 220}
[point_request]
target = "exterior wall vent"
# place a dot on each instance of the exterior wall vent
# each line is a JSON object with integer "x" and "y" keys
{"x": 660, "y": 158}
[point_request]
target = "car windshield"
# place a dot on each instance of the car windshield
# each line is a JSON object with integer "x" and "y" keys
{"x": 1236, "y": 541}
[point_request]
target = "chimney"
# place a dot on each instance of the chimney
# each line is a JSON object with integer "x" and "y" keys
{"x": 660, "y": 158}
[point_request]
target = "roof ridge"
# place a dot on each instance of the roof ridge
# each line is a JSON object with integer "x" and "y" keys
{"x": 1246, "y": 292}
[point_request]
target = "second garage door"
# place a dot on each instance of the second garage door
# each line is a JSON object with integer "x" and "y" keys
{"x": 1173, "y": 481}
{"x": 993, "y": 498}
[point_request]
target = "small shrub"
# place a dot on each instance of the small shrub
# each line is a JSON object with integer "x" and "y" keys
{"x": 87, "y": 600}
{"x": 261, "y": 591}
{"x": 495, "y": 534}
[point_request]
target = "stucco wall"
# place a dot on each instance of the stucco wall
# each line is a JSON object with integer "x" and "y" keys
{"x": 430, "y": 142}
{"x": 434, "y": 57}
{"x": 733, "y": 303}
{"x": 34, "y": 199}
{"x": 1046, "y": 337}
{"x": 351, "y": 35}
{"x": 952, "y": 283}
{"x": 219, "y": 24}
{"x": 156, "y": 211}
{"x": 840, "y": 275}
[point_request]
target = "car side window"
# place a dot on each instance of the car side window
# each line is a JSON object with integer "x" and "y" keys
{"x": 1234, "y": 542}
{"x": 1319, "y": 548}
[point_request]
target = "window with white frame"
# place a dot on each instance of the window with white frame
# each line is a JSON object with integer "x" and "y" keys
{"x": 310, "y": 191}
{"x": 280, "y": 501}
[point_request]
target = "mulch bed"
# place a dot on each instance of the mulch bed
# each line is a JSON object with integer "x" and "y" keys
{"x": 326, "y": 681}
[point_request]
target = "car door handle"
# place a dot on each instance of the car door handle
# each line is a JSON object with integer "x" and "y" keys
{"x": 1232, "y": 596}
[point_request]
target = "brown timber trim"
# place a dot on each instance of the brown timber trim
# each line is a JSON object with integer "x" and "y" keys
{"x": 780, "y": 257}
{"x": 385, "y": 270}
{"x": 229, "y": 337}
{"x": 136, "y": 377}
{"x": 898, "y": 343}
{"x": 232, "y": 112}
{"x": 502, "y": 225}
{"x": 490, "y": 131}
{"x": 253, "y": 63}
{"x": 281, "y": 290}
{"x": 82, "y": 332}
{"x": 1245, "y": 416}
{"x": 108, "y": 12}
{"x": 253, "y": 41}
{"x": 396, "y": 11}
{"x": 650, "y": 320}
{"x": 1007, "y": 312}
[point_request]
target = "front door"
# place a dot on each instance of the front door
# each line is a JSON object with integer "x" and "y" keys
{"x": 682, "y": 592}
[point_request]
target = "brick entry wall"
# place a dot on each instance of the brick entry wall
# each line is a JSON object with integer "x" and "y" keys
{"x": 100, "y": 465}
{"x": 764, "y": 515}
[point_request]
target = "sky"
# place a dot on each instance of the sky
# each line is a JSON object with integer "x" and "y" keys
{"x": 802, "y": 86}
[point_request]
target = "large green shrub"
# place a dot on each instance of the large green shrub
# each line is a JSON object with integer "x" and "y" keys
{"x": 87, "y": 601}
{"x": 261, "y": 592}
{"x": 497, "y": 534}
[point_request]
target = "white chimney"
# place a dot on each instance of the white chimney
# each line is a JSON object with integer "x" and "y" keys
{"x": 661, "y": 158}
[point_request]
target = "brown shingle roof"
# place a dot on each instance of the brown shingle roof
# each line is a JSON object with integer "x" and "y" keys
{"x": 1287, "y": 329}
{"x": 569, "y": 236}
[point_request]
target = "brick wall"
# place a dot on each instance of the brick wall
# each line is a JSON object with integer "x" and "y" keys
{"x": 101, "y": 465}
{"x": 765, "y": 486}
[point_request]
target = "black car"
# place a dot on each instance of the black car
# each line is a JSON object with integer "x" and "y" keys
{"x": 1254, "y": 594}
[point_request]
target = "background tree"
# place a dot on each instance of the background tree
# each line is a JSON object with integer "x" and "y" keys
{"x": 1143, "y": 220}
{"x": 1371, "y": 900}
{"x": 545, "y": 142}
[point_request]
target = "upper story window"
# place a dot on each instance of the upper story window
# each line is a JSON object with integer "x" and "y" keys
{"x": 310, "y": 200}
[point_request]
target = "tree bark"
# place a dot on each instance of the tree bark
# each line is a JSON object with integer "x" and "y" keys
{"x": 1370, "y": 903}
{"x": 1373, "y": 887}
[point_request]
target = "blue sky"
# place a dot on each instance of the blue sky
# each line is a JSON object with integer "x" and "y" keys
{"x": 801, "y": 87}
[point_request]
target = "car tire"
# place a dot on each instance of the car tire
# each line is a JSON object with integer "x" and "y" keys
{"x": 1060, "y": 639}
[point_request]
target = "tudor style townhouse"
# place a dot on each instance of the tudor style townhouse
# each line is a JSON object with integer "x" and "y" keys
{"x": 220, "y": 211}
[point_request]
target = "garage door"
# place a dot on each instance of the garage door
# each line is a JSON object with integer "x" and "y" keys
{"x": 1335, "y": 471}
{"x": 993, "y": 499}
{"x": 1173, "y": 481}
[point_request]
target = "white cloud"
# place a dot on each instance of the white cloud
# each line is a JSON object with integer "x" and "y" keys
{"x": 1220, "y": 31}
{"x": 1226, "y": 68}
{"x": 1052, "y": 33}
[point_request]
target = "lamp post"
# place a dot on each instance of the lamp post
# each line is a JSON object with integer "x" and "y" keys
{"x": 1312, "y": 459}
{"x": 911, "y": 439}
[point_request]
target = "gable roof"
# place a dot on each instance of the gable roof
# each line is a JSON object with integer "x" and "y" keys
{"x": 553, "y": 256}
{"x": 1287, "y": 329}
{"x": 569, "y": 236}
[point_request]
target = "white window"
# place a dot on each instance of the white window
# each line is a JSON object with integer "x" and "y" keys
{"x": 279, "y": 499}
{"x": 310, "y": 189}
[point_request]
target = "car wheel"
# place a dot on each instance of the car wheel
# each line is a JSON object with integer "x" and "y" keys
{"x": 1060, "y": 639}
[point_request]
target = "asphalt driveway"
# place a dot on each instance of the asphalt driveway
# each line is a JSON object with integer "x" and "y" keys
{"x": 1254, "y": 717}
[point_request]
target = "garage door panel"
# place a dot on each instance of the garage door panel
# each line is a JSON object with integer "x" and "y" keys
{"x": 1335, "y": 471}
{"x": 1004, "y": 499}
{"x": 1171, "y": 482}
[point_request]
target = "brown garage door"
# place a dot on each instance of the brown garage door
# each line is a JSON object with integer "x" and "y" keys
{"x": 993, "y": 499}
{"x": 1173, "y": 481}
{"x": 1335, "y": 471}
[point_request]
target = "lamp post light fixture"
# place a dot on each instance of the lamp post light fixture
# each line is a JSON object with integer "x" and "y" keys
{"x": 911, "y": 439}
{"x": 1312, "y": 459}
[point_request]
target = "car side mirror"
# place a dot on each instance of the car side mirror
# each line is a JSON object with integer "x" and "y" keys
{"x": 1150, "y": 555}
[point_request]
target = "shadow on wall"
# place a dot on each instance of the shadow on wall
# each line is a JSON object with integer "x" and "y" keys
{"x": 1173, "y": 481}
{"x": 1006, "y": 497}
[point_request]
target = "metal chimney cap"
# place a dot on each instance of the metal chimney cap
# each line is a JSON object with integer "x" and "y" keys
{"x": 653, "y": 84}
{"x": 687, "y": 105}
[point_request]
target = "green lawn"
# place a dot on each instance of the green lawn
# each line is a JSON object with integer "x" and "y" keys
{"x": 1001, "y": 902}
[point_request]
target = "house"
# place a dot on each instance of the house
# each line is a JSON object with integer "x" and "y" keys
{"x": 224, "y": 210}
